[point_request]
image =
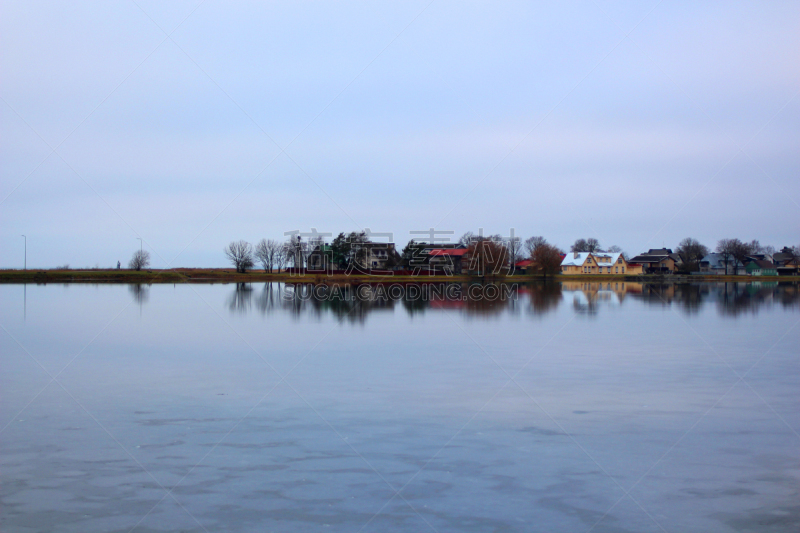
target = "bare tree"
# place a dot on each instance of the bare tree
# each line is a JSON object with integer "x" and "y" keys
{"x": 586, "y": 245}
{"x": 693, "y": 252}
{"x": 140, "y": 260}
{"x": 281, "y": 256}
{"x": 532, "y": 243}
{"x": 741, "y": 250}
{"x": 467, "y": 239}
{"x": 488, "y": 256}
{"x": 758, "y": 248}
{"x": 273, "y": 249}
{"x": 295, "y": 250}
{"x": 262, "y": 255}
{"x": 547, "y": 259}
{"x": 618, "y": 249}
{"x": 727, "y": 248}
{"x": 514, "y": 246}
{"x": 240, "y": 253}
{"x": 266, "y": 253}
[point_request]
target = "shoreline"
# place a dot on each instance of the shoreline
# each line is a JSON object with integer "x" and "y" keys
{"x": 216, "y": 275}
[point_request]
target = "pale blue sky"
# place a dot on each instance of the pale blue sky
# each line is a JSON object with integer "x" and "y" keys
{"x": 637, "y": 123}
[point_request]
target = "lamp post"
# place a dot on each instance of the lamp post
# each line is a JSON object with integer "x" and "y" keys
{"x": 26, "y": 251}
{"x": 140, "y": 243}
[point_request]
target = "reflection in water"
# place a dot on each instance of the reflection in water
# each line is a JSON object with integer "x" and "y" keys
{"x": 730, "y": 299}
{"x": 141, "y": 293}
{"x": 629, "y": 381}
{"x": 241, "y": 299}
{"x": 269, "y": 298}
{"x": 544, "y": 297}
{"x": 354, "y": 302}
{"x": 742, "y": 298}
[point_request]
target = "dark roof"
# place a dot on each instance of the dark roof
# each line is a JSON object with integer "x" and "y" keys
{"x": 648, "y": 258}
{"x": 763, "y": 264}
{"x": 659, "y": 251}
{"x": 784, "y": 258}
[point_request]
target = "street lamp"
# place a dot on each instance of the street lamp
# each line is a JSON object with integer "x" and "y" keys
{"x": 26, "y": 251}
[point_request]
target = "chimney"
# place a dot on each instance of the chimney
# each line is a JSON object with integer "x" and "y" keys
{"x": 575, "y": 255}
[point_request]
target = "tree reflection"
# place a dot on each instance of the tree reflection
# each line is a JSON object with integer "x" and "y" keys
{"x": 487, "y": 299}
{"x": 140, "y": 293}
{"x": 730, "y": 299}
{"x": 355, "y": 302}
{"x": 544, "y": 297}
{"x": 241, "y": 298}
{"x": 269, "y": 298}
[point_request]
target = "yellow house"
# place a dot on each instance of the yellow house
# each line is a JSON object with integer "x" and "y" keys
{"x": 597, "y": 263}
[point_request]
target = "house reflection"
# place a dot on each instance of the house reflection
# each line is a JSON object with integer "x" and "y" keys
{"x": 354, "y": 302}
{"x": 730, "y": 299}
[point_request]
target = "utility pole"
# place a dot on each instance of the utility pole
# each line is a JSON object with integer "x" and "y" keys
{"x": 140, "y": 243}
{"x": 26, "y": 251}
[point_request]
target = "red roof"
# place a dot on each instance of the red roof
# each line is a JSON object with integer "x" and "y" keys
{"x": 449, "y": 251}
{"x": 524, "y": 263}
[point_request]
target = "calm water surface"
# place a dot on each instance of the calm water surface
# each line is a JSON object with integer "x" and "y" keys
{"x": 579, "y": 407}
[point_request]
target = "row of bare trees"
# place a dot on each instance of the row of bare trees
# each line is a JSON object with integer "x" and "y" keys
{"x": 270, "y": 254}
{"x": 735, "y": 252}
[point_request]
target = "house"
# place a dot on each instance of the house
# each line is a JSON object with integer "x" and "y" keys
{"x": 320, "y": 259}
{"x": 760, "y": 267}
{"x": 432, "y": 258}
{"x": 787, "y": 262}
{"x": 377, "y": 255}
{"x": 714, "y": 263}
{"x": 658, "y": 261}
{"x": 367, "y": 256}
{"x": 453, "y": 260}
{"x": 595, "y": 263}
{"x": 524, "y": 266}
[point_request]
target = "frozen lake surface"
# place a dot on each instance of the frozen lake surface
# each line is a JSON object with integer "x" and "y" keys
{"x": 574, "y": 407}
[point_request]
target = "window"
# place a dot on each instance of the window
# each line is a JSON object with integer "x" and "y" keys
{"x": 623, "y": 270}
{"x": 617, "y": 270}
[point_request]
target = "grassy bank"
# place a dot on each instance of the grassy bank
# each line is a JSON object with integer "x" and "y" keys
{"x": 221, "y": 275}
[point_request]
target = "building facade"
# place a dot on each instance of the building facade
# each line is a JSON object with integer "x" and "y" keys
{"x": 597, "y": 263}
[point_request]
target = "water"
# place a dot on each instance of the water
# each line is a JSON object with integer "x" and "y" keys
{"x": 580, "y": 407}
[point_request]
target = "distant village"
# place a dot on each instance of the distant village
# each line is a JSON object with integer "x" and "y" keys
{"x": 356, "y": 252}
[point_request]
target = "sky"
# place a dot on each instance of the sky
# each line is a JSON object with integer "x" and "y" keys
{"x": 192, "y": 124}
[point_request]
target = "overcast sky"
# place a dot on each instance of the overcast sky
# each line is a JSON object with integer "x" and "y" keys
{"x": 637, "y": 123}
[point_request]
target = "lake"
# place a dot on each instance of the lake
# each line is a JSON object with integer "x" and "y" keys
{"x": 266, "y": 407}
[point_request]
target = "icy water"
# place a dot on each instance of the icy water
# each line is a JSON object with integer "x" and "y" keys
{"x": 582, "y": 407}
